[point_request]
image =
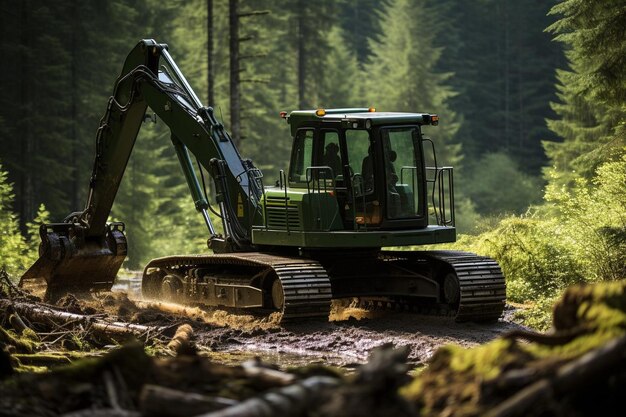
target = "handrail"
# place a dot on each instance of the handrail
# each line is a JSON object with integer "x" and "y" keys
{"x": 358, "y": 179}
{"x": 311, "y": 174}
{"x": 442, "y": 173}
{"x": 439, "y": 204}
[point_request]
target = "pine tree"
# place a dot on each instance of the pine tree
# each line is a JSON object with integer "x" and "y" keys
{"x": 503, "y": 66}
{"x": 595, "y": 31}
{"x": 341, "y": 87}
{"x": 591, "y": 110}
{"x": 402, "y": 75}
{"x": 359, "y": 21}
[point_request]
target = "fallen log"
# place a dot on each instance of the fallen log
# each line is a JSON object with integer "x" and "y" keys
{"x": 43, "y": 313}
{"x": 42, "y": 359}
{"x": 158, "y": 401}
{"x": 269, "y": 376}
{"x": 570, "y": 378}
{"x": 290, "y": 401}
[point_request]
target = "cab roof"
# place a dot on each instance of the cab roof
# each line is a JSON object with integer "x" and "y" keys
{"x": 356, "y": 117}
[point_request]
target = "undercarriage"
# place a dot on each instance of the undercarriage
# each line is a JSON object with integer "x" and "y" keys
{"x": 464, "y": 285}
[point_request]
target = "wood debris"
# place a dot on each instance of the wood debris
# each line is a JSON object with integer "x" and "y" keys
{"x": 577, "y": 369}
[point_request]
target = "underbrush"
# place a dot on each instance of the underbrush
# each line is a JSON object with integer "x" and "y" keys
{"x": 578, "y": 235}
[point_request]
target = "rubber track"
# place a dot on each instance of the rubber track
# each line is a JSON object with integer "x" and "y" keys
{"x": 306, "y": 285}
{"x": 482, "y": 284}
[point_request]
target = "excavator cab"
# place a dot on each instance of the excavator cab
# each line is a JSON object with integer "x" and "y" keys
{"x": 361, "y": 164}
{"x": 359, "y": 178}
{"x": 374, "y": 164}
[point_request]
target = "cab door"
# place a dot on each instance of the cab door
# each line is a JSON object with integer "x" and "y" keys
{"x": 363, "y": 206}
{"x": 404, "y": 176}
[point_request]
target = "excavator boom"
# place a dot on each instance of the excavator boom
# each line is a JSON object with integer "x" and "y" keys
{"x": 84, "y": 251}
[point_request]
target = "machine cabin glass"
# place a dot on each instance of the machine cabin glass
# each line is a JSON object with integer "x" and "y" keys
{"x": 378, "y": 174}
{"x": 404, "y": 183}
{"x": 301, "y": 155}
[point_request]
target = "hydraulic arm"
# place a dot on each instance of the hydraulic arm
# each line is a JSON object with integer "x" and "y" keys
{"x": 85, "y": 252}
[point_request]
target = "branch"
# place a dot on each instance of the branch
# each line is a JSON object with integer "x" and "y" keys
{"x": 42, "y": 313}
{"x": 254, "y": 13}
{"x": 155, "y": 401}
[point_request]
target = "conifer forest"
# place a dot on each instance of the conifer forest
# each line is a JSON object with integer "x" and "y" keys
{"x": 531, "y": 99}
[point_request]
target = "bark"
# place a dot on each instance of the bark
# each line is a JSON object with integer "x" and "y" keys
{"x": 160, "y": 401}
{"x": 292, "y": 400}
{"x": 302, "y": 102}
{"x": 268, "y": 376}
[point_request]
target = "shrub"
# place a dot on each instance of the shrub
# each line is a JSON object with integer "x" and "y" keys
{"x": 578, "y": 235}
{"x": 12, "y": 244}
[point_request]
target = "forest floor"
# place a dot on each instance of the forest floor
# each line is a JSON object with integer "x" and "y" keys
{"x": 343, "y": 341}
{"x": 149, "y": 358}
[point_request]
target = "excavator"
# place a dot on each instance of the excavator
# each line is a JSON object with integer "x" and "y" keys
{"x": 358, "y": 182}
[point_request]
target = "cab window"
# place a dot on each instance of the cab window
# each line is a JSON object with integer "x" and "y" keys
{"x": 301, "y": 156}
{"x": 403, "y": 172}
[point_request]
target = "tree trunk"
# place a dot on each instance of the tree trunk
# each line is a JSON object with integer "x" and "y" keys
{"x": 210, "y": 69}
{"x": 235, "y": 105}
{"x": 301, "y": 56}
{"x": 75, "y": 193}
{"x": 26, "y": 205}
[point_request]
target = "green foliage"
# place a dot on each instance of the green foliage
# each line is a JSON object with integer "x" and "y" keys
{"x": 579, "y": 235}
{"x": 12, "y": 244}
{"x": 33, "y": 238}
{"x": 594, "y": 215}
{"x": 538, "y": 315}
{"x": 496, "y": 185}
{"x": 595, "y": 31}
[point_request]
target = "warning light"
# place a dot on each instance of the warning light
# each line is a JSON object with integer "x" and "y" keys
{"x": 283, "y": 114}
{"x": 434, "y": 119}
{"x": 360, "y": 220}
{"x": 320, "y": 112}
{"x": 371, "y": 109}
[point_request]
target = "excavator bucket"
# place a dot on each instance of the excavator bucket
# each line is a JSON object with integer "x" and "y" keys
{"x": 70, "y": 262}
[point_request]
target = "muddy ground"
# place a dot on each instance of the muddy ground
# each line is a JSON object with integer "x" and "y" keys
{"x": 343, "y": 341}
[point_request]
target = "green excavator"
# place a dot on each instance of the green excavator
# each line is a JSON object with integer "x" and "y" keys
{"x": 358, "y": 182}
